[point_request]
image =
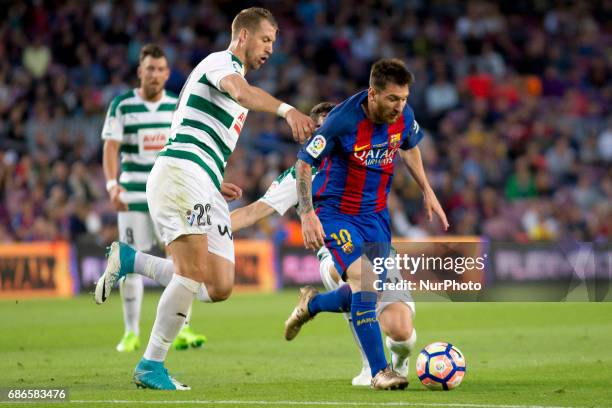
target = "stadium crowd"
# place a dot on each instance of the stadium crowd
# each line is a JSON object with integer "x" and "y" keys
{"x": 515, "y": 100}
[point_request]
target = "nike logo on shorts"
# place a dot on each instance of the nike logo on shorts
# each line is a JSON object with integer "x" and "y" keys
{"x": 362, "y": 313}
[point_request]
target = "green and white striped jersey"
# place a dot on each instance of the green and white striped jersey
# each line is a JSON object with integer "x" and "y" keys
{"x": 207, "y": 121}
{"x": 143, "y": 128}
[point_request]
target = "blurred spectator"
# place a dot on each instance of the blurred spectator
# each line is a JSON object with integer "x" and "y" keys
{"x": 560, "y": 159}
{"x": 521, "y": 184}
{"x": 539, "y": 223}
{"x": 515, "y": 104}
{"x": 441, "y": 95}
{"x": 81, "y": 184}
{"x": 36, "y": 58}
{"x": 604, "y": 143}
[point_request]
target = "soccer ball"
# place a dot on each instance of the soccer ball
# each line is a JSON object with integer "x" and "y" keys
{"x": 440, "y": 366}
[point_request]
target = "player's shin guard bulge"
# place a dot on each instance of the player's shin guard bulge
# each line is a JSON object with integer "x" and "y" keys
{"x": 300, "y": 314}
{"x": 388, "y": 379}
{"x": 172, "y": 311}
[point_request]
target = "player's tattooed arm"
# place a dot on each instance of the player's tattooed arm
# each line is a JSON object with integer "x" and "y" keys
{"x": 303, "y": 172}
{"x": 312, "y": 230}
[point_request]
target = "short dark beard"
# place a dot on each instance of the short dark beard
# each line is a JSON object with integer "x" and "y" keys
{"x": 151, "y": 97}
{"x": 371, "y": 114}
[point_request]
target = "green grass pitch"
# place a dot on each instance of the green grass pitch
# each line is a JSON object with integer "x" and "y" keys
{"x": 518, "y": 354}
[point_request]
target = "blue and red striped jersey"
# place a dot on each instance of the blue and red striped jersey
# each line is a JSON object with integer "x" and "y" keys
{"x": 356, "y": 177}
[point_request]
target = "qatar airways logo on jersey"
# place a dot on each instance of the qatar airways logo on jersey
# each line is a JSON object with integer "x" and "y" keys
{"x": 382, "y": 156}
{"x": 376, "y": 157}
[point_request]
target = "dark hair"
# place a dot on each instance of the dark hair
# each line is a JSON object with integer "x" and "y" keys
{"x": 152, "y": 50}
{"x": 390, "y": 70}
{"x": 250, "y": 19}
{"x": 320, "y": 109}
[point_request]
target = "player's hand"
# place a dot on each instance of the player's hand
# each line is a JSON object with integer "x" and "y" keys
{"x": 115, "y": 199}
{"x": 301, "y": 125}
{"x": 230, "y": 191}
{"x": 432, "y": 206}
{"x": 312, "y": 231}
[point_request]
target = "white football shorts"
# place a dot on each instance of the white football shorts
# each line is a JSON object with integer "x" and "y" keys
{"x": 136, "y": 228}
{"x": 183, "y": 200}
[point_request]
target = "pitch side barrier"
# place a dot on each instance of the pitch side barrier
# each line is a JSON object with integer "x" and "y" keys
{"x": 35, "y": 270}
{"x": 62, "y": 269}
{"x": 297, "y": 266}
{"x": 458, "y": 268}
{"x": 471, "y": 268}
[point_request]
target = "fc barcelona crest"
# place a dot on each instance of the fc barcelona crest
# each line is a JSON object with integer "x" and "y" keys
{"x": 394, "y": 140}
{"x": 348, "y": 248}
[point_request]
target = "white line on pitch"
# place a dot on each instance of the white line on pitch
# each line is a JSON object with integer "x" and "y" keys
{"x": 315, "y": 403}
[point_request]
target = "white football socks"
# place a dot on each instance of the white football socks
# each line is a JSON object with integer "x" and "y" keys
{"x": 401, "y": 350}
{"x": 172, "y": 311}
{"x": 131, "y": 289}
{"x": 202, "y": 294}
{"x": 188, "y": 318}
{"x": 154, "y": 267}
{"x": 161, "y": 271}
{"x": 365, "y": 365}
{"x": 325, "y": 264}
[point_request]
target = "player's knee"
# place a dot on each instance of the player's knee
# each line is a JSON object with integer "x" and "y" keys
{"x": 195, "y": 272}
{"x": 219, "y": 293}
{"x": 355, "y": 283}
{"x": 398, "y": 327}
{"x": 400, "y": 332}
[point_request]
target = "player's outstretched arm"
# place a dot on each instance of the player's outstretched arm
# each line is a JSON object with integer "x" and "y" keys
{"x": 256, "y": 99}
{"x": 244, "y": 217}
{"x": 110, "y": 165}
{"x": 312, "y": 230}
{"x": 413, "y": 161}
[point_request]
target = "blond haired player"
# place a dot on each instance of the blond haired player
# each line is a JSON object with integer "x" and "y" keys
{"x": 396, "y": 319}
{"x": 137, "y": 126}
{"x": 185, "y": 188}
